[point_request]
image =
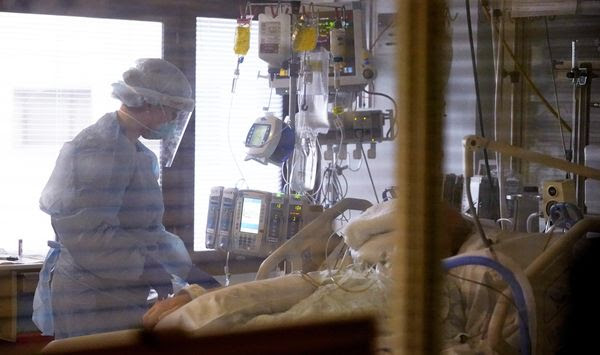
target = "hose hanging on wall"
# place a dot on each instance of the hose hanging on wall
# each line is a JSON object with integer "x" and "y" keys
{"x": 476, "y": 80}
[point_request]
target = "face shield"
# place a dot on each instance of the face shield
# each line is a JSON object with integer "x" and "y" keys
{"x": 172, "y": 133}
{"x": 160, "y": 83}
{"x": 170, "y": 141}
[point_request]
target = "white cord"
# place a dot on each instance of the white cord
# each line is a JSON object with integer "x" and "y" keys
{"x": 229, "y": 139}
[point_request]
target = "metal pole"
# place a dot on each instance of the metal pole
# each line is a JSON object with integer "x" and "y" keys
{"x": 583, "y": 89}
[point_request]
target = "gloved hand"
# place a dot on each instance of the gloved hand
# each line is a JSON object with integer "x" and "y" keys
{"x": 157, "y": 277}
{"x": 173, "y": 255}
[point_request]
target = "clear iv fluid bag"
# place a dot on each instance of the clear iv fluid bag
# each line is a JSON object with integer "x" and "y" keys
{"x": 304, "y": 165}
{"x": 274, "y": 38}
{"x": 313, "y": 94}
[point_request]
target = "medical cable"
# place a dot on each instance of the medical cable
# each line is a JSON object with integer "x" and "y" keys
{"x": 372, "y": 45}
{"x": 268, "y": 107}
{"x": 332, "y": 276}
{"x": 509, "y": 300}
{"x": 333, "y": 191}
{"x": 511, "y": 278}
{"x": 369, "y": 171}
{"x": 310, "y": 279}
{"x": 477, "y": 96}
{"x": 500, "y": 292}
{"x": 282, "y": 173}
{"x": 392, "y": 133}
{"x": 521, "y": 71}
{"x": 359, "y": 165}
{"x": 229, "y": 139}
{"x": 562, "y": 133}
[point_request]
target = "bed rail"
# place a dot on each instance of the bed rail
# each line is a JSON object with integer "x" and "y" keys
{"x": 543, "y": 272}
{"x": 306, "y": 249}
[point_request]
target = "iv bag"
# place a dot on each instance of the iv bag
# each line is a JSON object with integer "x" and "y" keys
{"x": 313, "y": 93}
{"x": 274, "y": 38}
{"x": 305, "y": 35}
{"x": 304, "y": 165}
{"x": 241, "y": 43}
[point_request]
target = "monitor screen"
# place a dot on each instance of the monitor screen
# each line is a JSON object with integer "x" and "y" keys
{"x": 250, "y": 215}
{"x": 260, "y": 133}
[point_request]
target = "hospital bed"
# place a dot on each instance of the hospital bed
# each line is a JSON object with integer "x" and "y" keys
{"x": 539, "y": 264}
{"x": 532, "y": 318}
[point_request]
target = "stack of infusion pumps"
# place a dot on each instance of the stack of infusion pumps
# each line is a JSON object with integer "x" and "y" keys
{"x": 255, "y": 223}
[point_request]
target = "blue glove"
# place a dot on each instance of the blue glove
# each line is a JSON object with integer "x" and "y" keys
{"x": 157, "y": 277}
{"x": 173, "y": 255}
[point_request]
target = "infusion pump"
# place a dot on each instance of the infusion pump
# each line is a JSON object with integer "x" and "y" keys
{"x": 255, "y": 223}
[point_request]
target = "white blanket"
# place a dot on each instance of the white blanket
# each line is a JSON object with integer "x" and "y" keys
{"x": 283, "y": 300}
{"x": 296, "y": 297}
{"x": 377, "y": 219}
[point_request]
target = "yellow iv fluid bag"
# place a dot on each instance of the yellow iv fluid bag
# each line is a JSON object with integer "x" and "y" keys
{"x": 242, "y": 39}
{"x": 304, "y": 38}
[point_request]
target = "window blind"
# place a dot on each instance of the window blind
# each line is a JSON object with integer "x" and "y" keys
{"x": 56, "y": 73}
{"x": 49, "y": 117}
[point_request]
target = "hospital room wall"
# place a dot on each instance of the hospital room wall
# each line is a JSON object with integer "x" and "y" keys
{"x": 460, "y": 104}
{"x": 383, "y": 166}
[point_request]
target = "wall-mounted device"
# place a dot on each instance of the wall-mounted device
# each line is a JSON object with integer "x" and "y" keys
{"x": 212, "y": 221}
{"x": 358, "y": 127}
{"x": 269, "y": 140}
{"x": 255, "y": 223}
{"x": 354, "y": 127}
{"x": 557, "y": 191}
{"x": 226, "y": 218}
{"x": 332, "y": 20}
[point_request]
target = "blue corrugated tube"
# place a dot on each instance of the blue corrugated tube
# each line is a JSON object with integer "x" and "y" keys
{"x": 509, "y": 277}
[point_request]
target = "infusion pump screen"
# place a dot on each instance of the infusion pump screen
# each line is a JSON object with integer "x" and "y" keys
{"x": 259, "y": 135}
{"x": 250, "y": 215}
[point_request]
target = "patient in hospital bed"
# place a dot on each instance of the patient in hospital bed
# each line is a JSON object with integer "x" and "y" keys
{"x": 360, "y": 288}
{"x": 363, "y": 288}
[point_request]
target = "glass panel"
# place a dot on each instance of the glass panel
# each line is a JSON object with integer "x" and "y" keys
{"x": 223, "y": 119}
{"x": 55, "y": 81}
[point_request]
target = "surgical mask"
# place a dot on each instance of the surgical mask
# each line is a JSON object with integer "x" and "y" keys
{"x": 161, "y": 132}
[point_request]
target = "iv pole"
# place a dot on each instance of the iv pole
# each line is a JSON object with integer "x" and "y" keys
{"x": 581, "y": 77}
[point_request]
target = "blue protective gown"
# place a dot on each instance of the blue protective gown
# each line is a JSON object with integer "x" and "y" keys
{"x": 106, "y": 208}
